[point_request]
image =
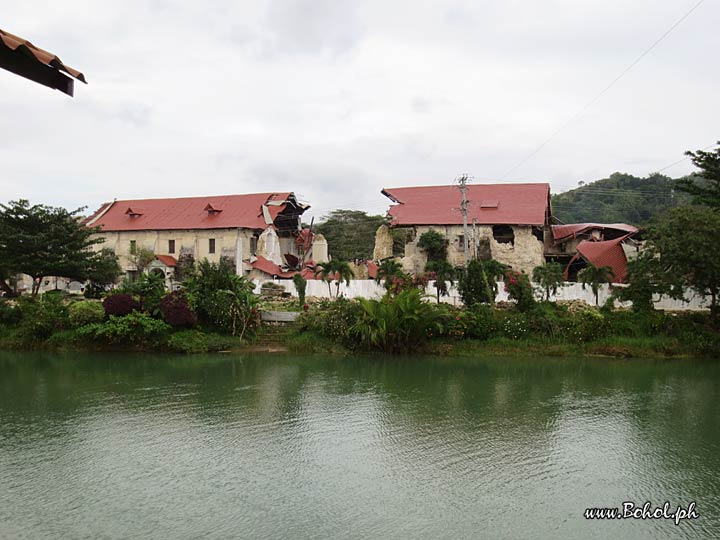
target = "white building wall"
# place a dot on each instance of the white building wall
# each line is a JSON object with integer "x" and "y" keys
{"x": 367, "y": 288}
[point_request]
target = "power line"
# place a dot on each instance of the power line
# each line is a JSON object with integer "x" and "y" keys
{"x": 602, "y": 92}
{"x": 684, "y": 159}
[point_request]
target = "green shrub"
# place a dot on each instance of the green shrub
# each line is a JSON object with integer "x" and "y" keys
{"x": 41, "y": 316}
{"x": 222, "y": 299}
{"x": 332, "y": 319}
{"x": 149, "y": 289}
{"x": 195, "y": 341}
{"x": 301, "y": 286}
{"x": 396, "y": 324}
{"x": 481, "y": 322}
{"x": 9, "y": 314}
{"x": 474, "y": 285}
{"x": 587, "y": 325}
{"x": 518, "y": 287}
{"x": 137, "y": 328}
{"x": 513, "y": 325}
{"x": 85, "y": 312}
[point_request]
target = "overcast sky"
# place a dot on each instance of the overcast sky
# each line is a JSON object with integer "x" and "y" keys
{"x": 337, "y": 99}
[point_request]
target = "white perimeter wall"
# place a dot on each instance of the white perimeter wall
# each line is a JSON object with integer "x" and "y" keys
{"x": 367, "y": 288}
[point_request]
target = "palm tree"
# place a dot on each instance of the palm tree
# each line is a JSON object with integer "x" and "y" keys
{"x": 595, "y": 276}
{"x": 550, "y": 276}
{"x": 335, "y": 270}
{"x": 387, "y": 269}
{"x": 442, "y": 272}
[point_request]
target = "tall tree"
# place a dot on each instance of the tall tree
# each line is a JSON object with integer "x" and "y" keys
{"x": 45, "y": 241}
{"x": 684, "y": 241}
{"x": 549, "y": 276}
{"x": 443, "y": 273}
{"x": 705, "y": 185}
{"x": 103, "y": 272}
{"x": 595, "y": 276}
{"x": 336, "y": 270}
{"x": 350, "y": 234}
{"x": 387, "y": 270}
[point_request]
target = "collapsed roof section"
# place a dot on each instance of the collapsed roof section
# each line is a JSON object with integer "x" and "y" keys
{"x": 609, "y": 231}
{"x": 252, "y": 211}
{"x": 608, "y": 253}
{"x": 21, "y": 57}
{"x": 488, "y": 204}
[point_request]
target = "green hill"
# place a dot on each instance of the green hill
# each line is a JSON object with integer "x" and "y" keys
{"x": 622, "y": 198}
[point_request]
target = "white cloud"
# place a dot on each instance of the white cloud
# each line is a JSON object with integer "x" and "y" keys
{"x": 337, "y": 99}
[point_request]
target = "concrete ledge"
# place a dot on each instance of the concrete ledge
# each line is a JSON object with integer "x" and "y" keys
{"x": 279, "y": 316}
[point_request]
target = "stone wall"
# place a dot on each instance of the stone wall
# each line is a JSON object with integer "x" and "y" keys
{"x": 524, "y": 254}
{"x": 194, "y": 241}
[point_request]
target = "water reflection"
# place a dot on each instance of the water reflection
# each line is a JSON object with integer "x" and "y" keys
{"x": 267, "y": 447}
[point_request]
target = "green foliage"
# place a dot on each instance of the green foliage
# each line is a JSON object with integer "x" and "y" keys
{"x": 85, "y": 312}
{"x": 550, "y": 277}
{"x": 395, "y": 324}
{"x": 195, "y": 341}
{"x": 9, "y": 314}
{"x": 621, "y": 198}
{"x": 222, "y": 299}
{"x": 332, "y": 319}
{"x": 41, "y": 316}
{"x": 519, "y": 289}
{"x": 301, "y": 286}
{"x": 684, "y": 242}
{"x": 103, "y": 272}
{"x": 350, "y": 233}
{"x": 443, "y": 273}
{"x": 474, "y": 285}
{"x": 644, "y": 279}
{"x": 705, "y": 185}
{"x": 44, "y": 241}
{"x": 594, "y": 276}
{"x": 387, "y": 270}
{"x": 434, "y": 245}
{"x": 336, "y": 270}
{"x": 137, "y": 328}
{"x": 185, "y": 267}
{"x": 141, "y": 257}
{"x": 149, "y": 289}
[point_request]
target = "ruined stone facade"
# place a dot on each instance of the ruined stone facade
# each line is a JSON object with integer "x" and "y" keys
{"x": 383, "y": 243}
{"x": 523, "y": 249}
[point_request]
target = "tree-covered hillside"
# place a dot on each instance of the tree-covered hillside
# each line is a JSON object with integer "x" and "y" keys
{"x": 622, "y": 198}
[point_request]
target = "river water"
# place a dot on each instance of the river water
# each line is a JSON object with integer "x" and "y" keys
{"x": 234, "y": 446}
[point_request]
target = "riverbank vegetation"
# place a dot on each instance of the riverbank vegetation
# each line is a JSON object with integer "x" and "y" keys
{"x": 215, "y": 310}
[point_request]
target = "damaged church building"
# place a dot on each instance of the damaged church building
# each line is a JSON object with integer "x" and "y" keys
{"x": 511, "y": 223}
{"x": 259, "y": 233}
{"x": 505, "y": 222}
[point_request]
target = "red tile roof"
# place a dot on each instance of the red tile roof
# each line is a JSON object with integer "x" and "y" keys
{"x": 563, "y": 232}
{"x": 269, "y": 267}
{"x": 489, "y": 204}
{"x": 225, "y": 211}
{"x": 167, "y": 260}
{"x": 23, "y": 58}
{"x": 607, "y": 253}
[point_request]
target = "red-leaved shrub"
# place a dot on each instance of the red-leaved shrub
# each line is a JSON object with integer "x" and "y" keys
{"x": 176, "y": 310}
{"x": 120, "y": 305}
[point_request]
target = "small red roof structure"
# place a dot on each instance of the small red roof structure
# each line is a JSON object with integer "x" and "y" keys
{"x": 253, "y": 211}
{"x": 564, "y": 232}
{"x": 23, "y": 58}
{"x": 488, "y": 204}
{"x": 269, "y": 267}
{"x": 606, "y": 253}
{"x": 167, "y": 260}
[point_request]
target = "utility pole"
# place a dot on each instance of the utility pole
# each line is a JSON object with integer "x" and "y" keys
{"x": 462, "y": 185}
{"x": 476, "y": 240}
